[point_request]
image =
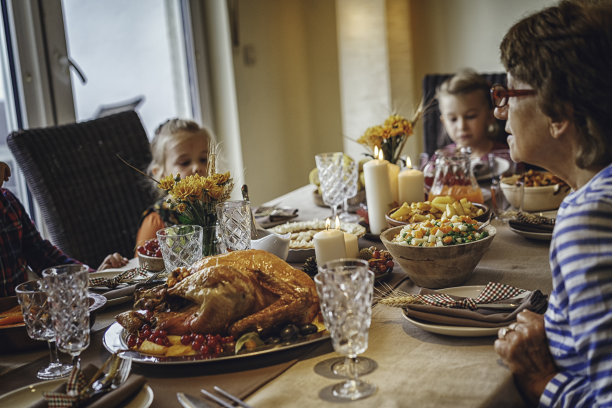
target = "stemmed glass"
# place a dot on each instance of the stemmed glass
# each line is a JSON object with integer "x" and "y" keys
{"x": 345, "y": 288}
{"x": 66, "y": 286}
{"x": 330, "y": 176}
{"x": 35, "y": 308}
{"x": 350, "y": 174}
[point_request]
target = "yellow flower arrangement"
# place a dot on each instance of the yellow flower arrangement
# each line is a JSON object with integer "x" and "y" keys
{"x": 390, "y": 137}
{"x": 195, "y": 197}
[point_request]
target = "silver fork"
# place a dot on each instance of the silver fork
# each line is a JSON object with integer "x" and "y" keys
{"x": 226, "y": 395}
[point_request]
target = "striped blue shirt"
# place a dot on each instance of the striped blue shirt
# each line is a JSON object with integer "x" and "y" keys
{"x": 579, "y": 317}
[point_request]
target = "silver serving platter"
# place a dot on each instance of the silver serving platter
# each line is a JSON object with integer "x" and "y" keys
{"x": 115, "y": 341}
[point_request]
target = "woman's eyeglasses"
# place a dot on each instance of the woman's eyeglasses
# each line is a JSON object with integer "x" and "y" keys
{"x": 500, "y": 94}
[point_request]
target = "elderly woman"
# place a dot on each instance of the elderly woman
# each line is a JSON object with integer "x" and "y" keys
{"x": 558, "y": 107}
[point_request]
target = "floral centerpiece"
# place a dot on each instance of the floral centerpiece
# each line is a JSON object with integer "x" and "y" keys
{"x": 195, "y": 198}
{"x": 390, "y": 137}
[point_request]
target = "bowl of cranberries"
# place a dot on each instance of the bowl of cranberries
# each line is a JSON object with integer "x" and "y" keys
{"x": 150, "y": 256}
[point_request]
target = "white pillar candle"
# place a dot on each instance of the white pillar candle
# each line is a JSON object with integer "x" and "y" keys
{"x": 351, "y": 245}
{"x": 329, "y": 245}
{"x": 378, "y": 193}
{"x": 393, "y": 170}
{"x": 411, "y": 186}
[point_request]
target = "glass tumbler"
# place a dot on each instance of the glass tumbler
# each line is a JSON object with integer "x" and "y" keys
{"x": 66, "y": 286}
{"x": 234, "y": 218}
{"x": 181, "y": 245}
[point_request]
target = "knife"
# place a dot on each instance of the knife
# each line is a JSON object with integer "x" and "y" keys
{"x": 189, "y": 401}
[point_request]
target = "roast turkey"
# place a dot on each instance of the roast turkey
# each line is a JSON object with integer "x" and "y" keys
{"x": 235, "y": 293}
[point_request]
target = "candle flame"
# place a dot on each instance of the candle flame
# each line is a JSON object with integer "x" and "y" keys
{"x": 408, "y": 163}
{"x": 327, "y": 224}
{"x": 380, "y": 156}
{"x": 337, "y": 222}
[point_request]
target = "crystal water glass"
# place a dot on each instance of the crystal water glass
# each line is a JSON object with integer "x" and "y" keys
{"x": 330, "y": 176}
{"x": 234, "y": 218}
{"x": 350, "y": 175}
{"x": 502, "y": 208}
{"x": 66, "y": 286}
{"x": 181, "y": 245}
{"x": 37, "y": 318}
{"x": 345, "y": 288}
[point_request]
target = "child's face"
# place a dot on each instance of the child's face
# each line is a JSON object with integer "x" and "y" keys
{"x": 466, "y": 117}
{"x": 187, "y": 156}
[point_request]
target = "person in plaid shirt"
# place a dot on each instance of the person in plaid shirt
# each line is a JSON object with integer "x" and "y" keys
{"x": 21, "y": 245}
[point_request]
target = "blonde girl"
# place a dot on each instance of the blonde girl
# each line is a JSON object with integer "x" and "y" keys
{"x": 180, "y": 147}
{"x": 467, "y": 113}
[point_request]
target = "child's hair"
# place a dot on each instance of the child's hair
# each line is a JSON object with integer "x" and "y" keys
{"x": 463, "y": 82}
{"x": 171, "y": 130}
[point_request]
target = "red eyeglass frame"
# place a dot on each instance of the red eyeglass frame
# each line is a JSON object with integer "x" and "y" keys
{"x": 502, "y": 94}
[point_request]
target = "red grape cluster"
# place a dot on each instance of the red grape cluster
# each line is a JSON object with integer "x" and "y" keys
{"x": 150, "y": 248}
{"x": 208, "y": 345}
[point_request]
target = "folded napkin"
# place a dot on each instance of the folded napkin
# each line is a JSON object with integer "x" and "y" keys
{"x": 127, "y": 276}
{"x": 58, "y": 399}
{"x": 121, "y": 292}
{"x": 278, "y": 216}
{"x": 465, "y": 312}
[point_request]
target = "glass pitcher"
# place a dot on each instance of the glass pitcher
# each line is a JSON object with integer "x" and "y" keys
{"x": 454, "y": 177}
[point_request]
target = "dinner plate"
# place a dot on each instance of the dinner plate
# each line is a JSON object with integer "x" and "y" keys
{"x": 540, "y": 236}
{"x": 30, "y": 394}
{"x": 457, "y": 331}
{"x": 115, "y": 340}
{"x": 500, "y": 166}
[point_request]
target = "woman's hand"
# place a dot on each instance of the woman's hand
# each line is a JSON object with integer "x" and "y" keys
{"x": 113, "y": 261}
{"x": 523, "y": 346}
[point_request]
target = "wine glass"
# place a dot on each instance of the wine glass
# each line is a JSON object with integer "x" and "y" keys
{"x": 350, "y": 174}
{"x": 66, "y": 286}
{"x": 345, "y": 288}
{"x": 35, "y": 308}
{"x": 330, "y": 176}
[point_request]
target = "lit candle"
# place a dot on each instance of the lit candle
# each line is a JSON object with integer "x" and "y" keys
{"x": 378, "y": 192}
{"x": 411, "y": 186}
{"x": 393, "y": 170}
{"x": 329, "y": 244}
{"x": 351, "y": 245}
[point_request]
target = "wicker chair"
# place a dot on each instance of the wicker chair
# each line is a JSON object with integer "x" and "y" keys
{"x": 90, "y": 200}
{"x": 434, "y": 135}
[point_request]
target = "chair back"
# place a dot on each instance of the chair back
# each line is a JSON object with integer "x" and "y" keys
{"x": 90, "y": 200}
{"x": 434, "y": 135}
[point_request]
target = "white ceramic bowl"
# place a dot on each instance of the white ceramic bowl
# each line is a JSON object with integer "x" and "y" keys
{"x": 150, "y": 263}
{"x": 437, "y": 267}
{"x": 542, "y": 198}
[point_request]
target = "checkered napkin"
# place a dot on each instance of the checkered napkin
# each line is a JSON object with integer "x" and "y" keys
{"x": 76, "y": 383}
{"x": 492, "y": 292}
{"x": 123, "y": 277}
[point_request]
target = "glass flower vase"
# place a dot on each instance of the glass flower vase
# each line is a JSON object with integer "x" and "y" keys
{"x": 211, "y": 240}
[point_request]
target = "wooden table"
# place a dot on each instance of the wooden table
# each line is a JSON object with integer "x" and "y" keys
{"x": 415, "y": 367}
